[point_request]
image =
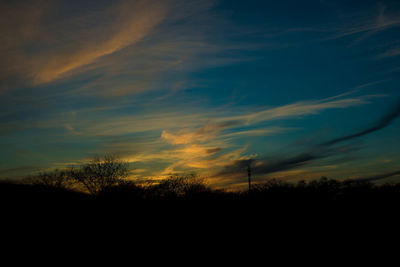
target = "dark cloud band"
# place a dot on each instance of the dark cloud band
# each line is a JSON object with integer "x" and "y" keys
{"x": 323, "y": 150}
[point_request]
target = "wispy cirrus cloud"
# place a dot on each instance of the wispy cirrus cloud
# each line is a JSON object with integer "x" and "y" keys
{"x": 134, "y": 21}
{"x": 367, "y": 23}
{"x": 394, "y": 52}
{"x": 135, "y": 77}
{"x": 40, "y": 45}
{"x": 299, "y": 109}
{"x": 314, "y": 153}
{"x": 197, "y": 139}
{"x": 341, "y": 21}
{"x": 43, "y": 52}
{"x": 212, "y": 145}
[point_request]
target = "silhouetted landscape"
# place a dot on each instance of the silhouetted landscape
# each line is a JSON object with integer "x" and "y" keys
{"x": 179, "y": 190}
{"x": 259, "y": 117}
{"x": 100, "y": 187}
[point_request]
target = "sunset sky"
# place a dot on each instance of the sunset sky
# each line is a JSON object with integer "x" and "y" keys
{"x": 297, "y": 89}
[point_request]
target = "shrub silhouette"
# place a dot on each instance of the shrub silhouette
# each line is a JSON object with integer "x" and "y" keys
{"x": 178, "y": 186}
{"x": 57, "y": 179}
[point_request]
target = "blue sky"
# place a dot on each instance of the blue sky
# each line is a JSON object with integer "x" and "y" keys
{"x": 201, "y": 86}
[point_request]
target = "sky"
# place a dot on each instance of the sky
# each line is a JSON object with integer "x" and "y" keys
{"x": 295, "y": 89}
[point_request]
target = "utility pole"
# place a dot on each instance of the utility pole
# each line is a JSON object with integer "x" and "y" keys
{"x": 249, "y": 175}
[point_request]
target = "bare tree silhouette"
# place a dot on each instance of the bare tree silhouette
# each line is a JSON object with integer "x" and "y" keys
{"x": 100, "y": 173}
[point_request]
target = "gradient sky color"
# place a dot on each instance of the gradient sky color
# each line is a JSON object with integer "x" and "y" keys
{"x": 301, "y": 89}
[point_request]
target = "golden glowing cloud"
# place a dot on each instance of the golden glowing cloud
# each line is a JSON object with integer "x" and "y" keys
{"x": 42, "y": 52}
{"x": 134, "y": 21}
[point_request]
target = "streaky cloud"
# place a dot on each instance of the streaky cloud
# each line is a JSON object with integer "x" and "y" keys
{"x": 389, "y": 53}
{"x": 38, "y": 46}
{"x": 323, "y": 150}
{"x": 378, "y": 125}
{"x": 368, "y": 24}
{"x": 379, "y": 176}
{"x": 297, "y": 109}
{"x": 134, "y": 22}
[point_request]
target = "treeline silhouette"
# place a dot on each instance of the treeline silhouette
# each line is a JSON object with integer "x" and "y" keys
{"x": 95, "y": 201}
{"x": 182, "y": 188}
{"x": 102, "y": 183}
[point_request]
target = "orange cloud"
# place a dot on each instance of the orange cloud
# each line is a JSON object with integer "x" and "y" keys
{"x": 41, "y": 47}
{"x": 205, "y": 133}
{"x": 135, "y": 21}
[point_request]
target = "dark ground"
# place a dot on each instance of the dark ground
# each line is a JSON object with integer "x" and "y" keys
{"x": 277, "y": 219}
{"x": 319, "y": 198}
